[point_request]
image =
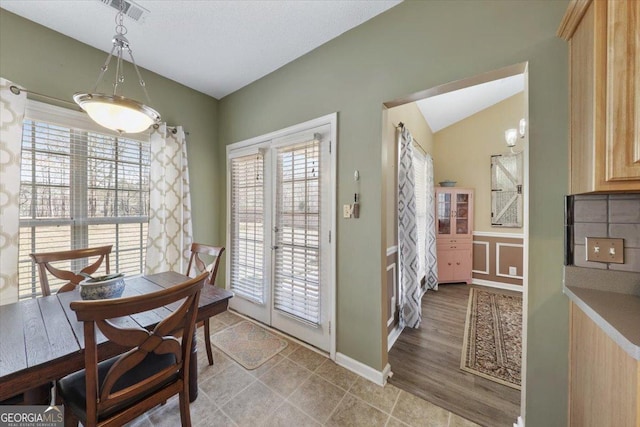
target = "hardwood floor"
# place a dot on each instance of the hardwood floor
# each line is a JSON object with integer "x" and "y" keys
{"x": 426, "y": 362}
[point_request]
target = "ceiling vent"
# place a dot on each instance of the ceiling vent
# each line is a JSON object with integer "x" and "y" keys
{"x": 130, "y": 9}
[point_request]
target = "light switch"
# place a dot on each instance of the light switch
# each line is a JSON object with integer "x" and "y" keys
{"x": 346, "y": 211}
{"x": 600, "y": 249}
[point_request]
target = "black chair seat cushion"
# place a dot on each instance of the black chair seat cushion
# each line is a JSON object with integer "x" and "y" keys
{"x": 72, "y": 388}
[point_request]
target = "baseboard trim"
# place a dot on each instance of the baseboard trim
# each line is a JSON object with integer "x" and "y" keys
{"x": 367, "y": 372}
{"x": 393, "y": 336}
{"x": 492, "y": 284}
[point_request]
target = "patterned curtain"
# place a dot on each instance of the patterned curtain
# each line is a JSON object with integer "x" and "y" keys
{"x": 430, "y": 259}
{"x": 410, "y": 292}
{"x": 170, "y": 232}
{"x": 11, "y": 115}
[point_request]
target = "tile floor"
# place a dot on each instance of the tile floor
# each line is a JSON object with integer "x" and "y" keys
{"x": 297, "y": 388}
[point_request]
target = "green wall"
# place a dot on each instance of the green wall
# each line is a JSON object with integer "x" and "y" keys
{"x": 412, "y": 47}
{"x": 48, "y": 62}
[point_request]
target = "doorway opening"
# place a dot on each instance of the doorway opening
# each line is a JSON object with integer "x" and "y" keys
{"x": 466, "y": 127}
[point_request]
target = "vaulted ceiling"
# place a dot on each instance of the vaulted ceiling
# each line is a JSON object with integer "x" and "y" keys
{"x": 215, "y": 47}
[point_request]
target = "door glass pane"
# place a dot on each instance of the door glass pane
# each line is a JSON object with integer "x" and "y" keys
{"x": 247, "y": 229}
{"x": 444, "y": 213}
{"x": 462, "y": 226}
{"x": 462, "y": 213}
{"x": 297, "y": 233}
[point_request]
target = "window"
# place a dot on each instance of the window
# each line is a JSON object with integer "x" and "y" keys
{"x": 420, "y": 172}
{"x": 80, "y": 187}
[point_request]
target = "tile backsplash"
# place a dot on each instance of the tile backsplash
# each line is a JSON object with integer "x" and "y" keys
{"x": 605, "y": 215}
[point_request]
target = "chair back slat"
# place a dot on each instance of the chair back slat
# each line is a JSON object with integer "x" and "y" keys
{"x": 44, "y": 262}
{"x": 195, "y": 260}
{"x": 138, "y": 342}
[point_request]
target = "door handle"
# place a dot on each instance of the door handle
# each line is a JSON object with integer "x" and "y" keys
{"x": 275, "y": 247}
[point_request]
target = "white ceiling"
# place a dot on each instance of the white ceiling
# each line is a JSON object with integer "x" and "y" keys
{"x": 444, "y": 110}
{"x": 215, "y": 47}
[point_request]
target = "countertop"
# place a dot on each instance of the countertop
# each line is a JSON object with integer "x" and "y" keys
{"x": 611, "y": 300}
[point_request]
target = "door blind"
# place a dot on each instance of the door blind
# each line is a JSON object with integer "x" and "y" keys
{"x": 79, "y": 189}
{"x": 247, "y": 226}
{"x": 297, "y": 258}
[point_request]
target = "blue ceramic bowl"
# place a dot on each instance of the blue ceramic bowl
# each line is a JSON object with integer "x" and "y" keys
{"x": 105, "y": 289}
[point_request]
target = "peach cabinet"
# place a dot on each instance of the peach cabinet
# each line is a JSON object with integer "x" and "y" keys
{"x": 604, "y": 79}
{"x": 454, "y": 233}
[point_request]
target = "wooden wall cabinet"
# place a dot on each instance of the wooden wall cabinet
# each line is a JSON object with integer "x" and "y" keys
{"x": 604, "y": 79}
{"x": 604, "y": 381}
{"x": 454, "y": 234}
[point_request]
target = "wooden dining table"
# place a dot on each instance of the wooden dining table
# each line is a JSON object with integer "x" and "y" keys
{"x": 41, "y": 340}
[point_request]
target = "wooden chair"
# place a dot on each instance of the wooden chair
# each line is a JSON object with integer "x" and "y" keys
{"x": 199, "y": 265}
{"x": 153, "y": 366}
{"x": 44, "y": 260}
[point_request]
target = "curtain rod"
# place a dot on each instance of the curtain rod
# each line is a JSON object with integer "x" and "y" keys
{"x": 420, "y": 147}
{"x": 172, "y": 129}
{"x": 16, "y": 91}
{"x": 400, "y": 125}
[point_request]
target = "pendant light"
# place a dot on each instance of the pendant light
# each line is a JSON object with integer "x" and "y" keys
{"x": 115, "y": 111}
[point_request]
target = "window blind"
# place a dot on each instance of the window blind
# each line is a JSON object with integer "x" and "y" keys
{"x": 247, "y": 227}
{"x": 297, "y": 258}
{"x": 80, "y": 188}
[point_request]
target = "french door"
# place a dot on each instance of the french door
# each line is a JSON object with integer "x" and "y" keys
{"x": 280, "y": 221}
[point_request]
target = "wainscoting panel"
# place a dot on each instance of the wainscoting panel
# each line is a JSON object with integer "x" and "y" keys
{"x": 498, "y": 259}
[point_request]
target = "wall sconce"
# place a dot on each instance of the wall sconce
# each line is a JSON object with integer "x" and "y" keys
{"x": 522, "y": 128}
{"x": 511, "y": 135}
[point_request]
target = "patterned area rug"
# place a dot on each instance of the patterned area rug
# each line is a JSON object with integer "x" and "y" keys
{"x": 248, "y": 344}
{"x": 492, "y": 346}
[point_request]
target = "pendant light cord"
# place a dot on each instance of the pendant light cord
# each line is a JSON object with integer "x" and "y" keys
{"x": 104, "y": 69}
{"x": 120, "y": 43}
